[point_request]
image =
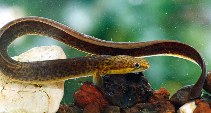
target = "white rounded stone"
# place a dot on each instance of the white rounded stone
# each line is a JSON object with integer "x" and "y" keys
{"x": 187, "y": 108}
{"x": 18, "y": 97}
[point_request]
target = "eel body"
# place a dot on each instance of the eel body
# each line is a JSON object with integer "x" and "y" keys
{"x": 42, "y": 72}
{"x": 62, "y": 33}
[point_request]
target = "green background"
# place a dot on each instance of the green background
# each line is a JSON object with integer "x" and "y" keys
{"x": 187, "y": 21}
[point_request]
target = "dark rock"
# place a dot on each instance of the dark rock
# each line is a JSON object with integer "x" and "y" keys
{"x": 155, "y": 107}
{"x": 182, "y": 96}
{"x": 88, "y": 94}
{"x": 158, "y": 103}
{"x": 92, "y": 108}
{"x": 69, "y": 109}
{"x": 126, "y": 90}
{"x": 111, "y": 109}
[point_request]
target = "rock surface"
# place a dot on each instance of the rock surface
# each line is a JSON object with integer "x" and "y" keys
{"x": 112, "y": 109}
{"x": 187, "y": 108}
{"x": 91, "y": 99}
{"x": 160, "y": 95}
{"x": 89, "y": 94}
{"x": 22, "y": 97}
{"x": 126, "y": 90}
{"x": 155, "y": 107}
{"x": 69, "y": 109}
{"x": 202, "y": 107}
{"x": 92, "y": 108}
{"x": 158, "y": 103}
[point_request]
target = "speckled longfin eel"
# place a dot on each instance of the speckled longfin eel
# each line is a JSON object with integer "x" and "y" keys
{"x": 62, "y": 33}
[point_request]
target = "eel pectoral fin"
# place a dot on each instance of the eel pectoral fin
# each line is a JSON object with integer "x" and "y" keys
{"x": 97, "y": 79}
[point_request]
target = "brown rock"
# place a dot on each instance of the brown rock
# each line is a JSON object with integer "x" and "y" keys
{"x": 111, "y": 109}
{"x": 160, "y": 95}
{"x": 126, "y": 90}
{"x": 69, "y": 109}
{"x": 202, "y": 107}
{"x": 206, "y": 98}
{"x": 92, "y": 108}
{"x": 88, "y": 94}
{"x": 155, "y": 107}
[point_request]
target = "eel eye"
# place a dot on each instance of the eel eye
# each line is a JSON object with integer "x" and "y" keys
{"x": 137, "y": 65}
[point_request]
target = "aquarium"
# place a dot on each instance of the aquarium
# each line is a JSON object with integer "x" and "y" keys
{"x": 114, "y": 56}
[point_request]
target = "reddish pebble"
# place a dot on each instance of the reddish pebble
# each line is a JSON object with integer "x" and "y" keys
{"x": 154, "y": 107}
{"x": 89, "y": 94}
{"x": 202, "y": 107}
{"x": 160, "y": 95}
{"x": 92, "y": 108}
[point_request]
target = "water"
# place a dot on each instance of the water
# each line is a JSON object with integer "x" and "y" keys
{"x": 124, "y": 21}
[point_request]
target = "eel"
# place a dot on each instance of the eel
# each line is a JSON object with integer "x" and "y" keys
{"x": 89, "y": 44}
